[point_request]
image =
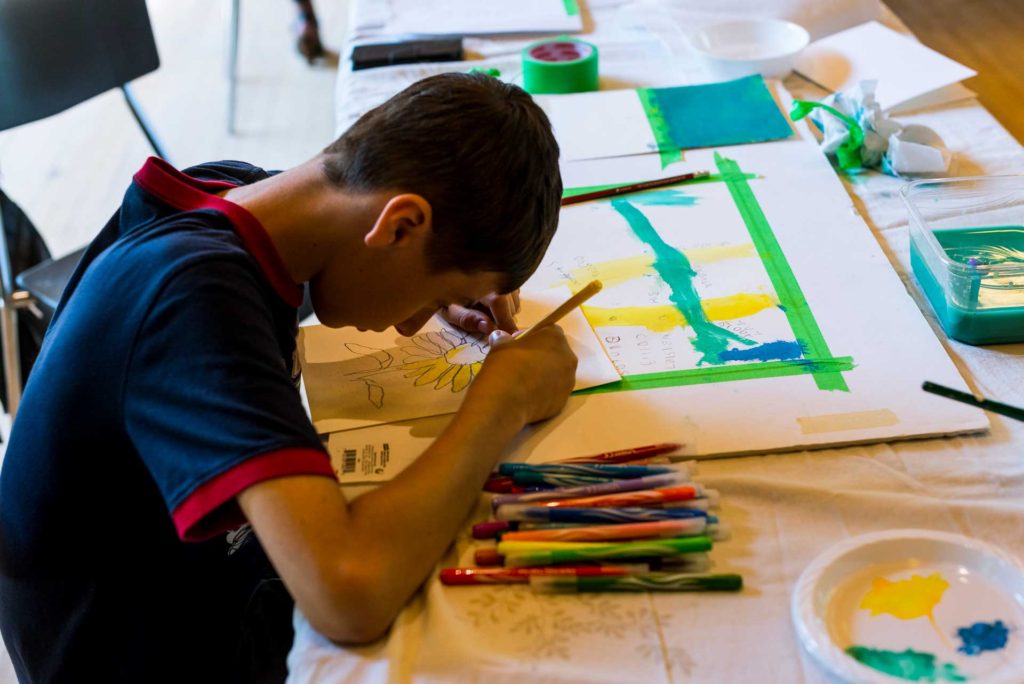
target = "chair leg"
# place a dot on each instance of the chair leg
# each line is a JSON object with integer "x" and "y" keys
{"x": 9, "y": 328}
{"x": 133, "y": 105}
{"x": 233, "y": 63}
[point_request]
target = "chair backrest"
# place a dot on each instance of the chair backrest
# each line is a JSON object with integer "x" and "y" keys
{"x": 57, "y": 53}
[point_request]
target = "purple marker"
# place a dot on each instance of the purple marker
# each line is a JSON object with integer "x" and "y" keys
{"x": 628, "y": 485}
{"x": 596, "y": 515}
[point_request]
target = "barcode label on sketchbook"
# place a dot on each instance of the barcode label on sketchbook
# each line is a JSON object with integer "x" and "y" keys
{"x": 366, "y": 462}
{"x": 348, "y": 463}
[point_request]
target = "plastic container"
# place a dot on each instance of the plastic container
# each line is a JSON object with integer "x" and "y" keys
{"x": 733, "y": 49}
{"x": 967, "y": 254}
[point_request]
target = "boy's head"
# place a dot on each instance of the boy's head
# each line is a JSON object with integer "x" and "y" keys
{"x": 480, "y": 151}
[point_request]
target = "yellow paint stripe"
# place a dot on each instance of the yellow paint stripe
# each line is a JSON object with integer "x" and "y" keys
{"x": 616, "y": 271}
{"x": 666, "y": 317}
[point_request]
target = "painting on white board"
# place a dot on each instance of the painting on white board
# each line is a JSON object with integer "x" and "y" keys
{"x": 748, "y": 313}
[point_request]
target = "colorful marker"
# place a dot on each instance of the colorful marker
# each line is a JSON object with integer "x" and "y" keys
{"x": 527, "y": 553}
{"x": 647, "y": 497}
{"x": 596, "y": 515}
{"x": 470, "y": 576}
{"x": 652, "y": 581}
{"x": 610, "y": 487}
{"x": 686, "y": 527}
{"x": 603, "y": 470}
{"x": 625, "y": 455}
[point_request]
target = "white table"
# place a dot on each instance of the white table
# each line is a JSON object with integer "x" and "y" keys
{"x": 783, "y": 509}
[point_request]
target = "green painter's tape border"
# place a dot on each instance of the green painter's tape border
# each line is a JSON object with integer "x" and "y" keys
{"x": 659, "y": 126}
{"x": 572, "y": 8}
{"x": 818, "y": 360}
{"x": 739, "y": 371}
{"x": 791, "y": 297}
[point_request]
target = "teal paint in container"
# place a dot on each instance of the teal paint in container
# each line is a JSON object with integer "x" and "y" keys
{"x": 967, "y": 254}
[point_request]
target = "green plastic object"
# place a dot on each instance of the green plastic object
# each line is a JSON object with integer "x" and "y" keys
{"x": 489, "y": 71}
{"x": 560, "y": 65}
{"x": 848, "y": 154}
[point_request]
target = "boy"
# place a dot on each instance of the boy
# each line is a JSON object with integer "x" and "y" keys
{"x": 162, "y": 413}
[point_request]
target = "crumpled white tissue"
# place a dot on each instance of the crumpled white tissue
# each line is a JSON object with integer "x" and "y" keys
{"x": 896, "y": 149}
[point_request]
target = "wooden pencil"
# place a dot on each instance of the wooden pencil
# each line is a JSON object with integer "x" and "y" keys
{"x": 588, "y": 291}
{"x": 987, "y": 404}
{"x": 634, "y": 187}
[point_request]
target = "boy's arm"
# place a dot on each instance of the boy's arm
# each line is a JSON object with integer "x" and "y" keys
{"x": 352, "y": 566}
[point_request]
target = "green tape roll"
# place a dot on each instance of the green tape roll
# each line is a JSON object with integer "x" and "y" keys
{"x": 561, "y": 65}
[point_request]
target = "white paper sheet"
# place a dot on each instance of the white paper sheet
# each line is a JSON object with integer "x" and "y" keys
{"x": 473, "y": 17}
{"x": 904, "y": 68}
{"x": 354, "y": 379}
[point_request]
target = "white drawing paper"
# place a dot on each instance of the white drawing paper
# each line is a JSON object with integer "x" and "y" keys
{"x": 904, "y": 68}
{"x": 472, "y": 17}
{"x": 354, "y": 379}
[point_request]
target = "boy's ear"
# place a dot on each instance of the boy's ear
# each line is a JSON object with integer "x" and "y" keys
{"x": 404, "y": 219}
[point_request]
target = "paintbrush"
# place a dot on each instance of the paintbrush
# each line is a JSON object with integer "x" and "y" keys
{"x": 588, "y": 291}
{"x": 634, "y": 187}
{"x": 987, "y": 404}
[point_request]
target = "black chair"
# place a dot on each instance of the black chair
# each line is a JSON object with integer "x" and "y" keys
{"x": 55, "y": 54}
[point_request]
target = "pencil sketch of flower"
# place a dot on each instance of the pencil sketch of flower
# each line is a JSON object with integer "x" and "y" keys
{"x": 383, "y": 360}
{"x": 444, "y": 358}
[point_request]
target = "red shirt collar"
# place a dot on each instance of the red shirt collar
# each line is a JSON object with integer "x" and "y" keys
{"x": 185, "y": 193}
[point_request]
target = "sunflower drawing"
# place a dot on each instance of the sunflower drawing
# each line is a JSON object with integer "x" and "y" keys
{"x": 444, "y": 358}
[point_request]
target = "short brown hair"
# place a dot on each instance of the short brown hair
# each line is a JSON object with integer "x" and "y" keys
{"x": 480, "y": 151}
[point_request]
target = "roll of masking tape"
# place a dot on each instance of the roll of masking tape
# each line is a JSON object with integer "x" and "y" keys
{"x": 560, "y": 65}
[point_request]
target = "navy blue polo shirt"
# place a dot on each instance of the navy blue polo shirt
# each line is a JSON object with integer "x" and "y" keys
{"x": 165, "y": 386}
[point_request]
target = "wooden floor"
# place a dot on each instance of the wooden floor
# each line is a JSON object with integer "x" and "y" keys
{"x": 69, "y": 171}
{"x": 986, "y": 35}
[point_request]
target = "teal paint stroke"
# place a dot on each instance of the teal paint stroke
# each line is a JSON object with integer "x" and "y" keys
{"x": 791, "y": 297}
{"x": 914, "y": 666}
{"x": 727, "y": 373}
{"x": 572, "y": 8}
{"x": 713, "y": 114}
{"x": 674, "y": 268}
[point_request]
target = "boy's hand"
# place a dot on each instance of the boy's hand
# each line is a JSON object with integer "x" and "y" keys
{"x": 493, "y": 312}
{"x": 533, "y": 376}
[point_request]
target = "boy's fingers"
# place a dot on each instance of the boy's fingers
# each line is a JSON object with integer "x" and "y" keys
{"x": 503, "y": 310}
{"x": 470, "y": 320}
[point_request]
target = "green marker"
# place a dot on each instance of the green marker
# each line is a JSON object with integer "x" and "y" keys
{"x": 527, "y": 553}
{"x": 648, "y": 581}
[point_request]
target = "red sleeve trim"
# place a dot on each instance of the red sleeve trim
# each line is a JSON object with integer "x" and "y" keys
{"x": 211, "y": 508}
{"x": 185, "y": 193}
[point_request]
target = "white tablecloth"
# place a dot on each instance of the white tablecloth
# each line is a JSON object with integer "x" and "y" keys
{"x": 783, "y": 509}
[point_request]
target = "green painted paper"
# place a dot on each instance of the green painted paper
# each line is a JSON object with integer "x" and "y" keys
{"x": 711, "y": 115}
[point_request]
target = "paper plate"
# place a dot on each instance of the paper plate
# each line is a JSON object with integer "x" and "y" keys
{"x": 914, "y": 605}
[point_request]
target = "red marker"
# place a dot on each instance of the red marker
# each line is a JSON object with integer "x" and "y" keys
{"x": 464, "y": 576}
{"x": 625, "y": 455}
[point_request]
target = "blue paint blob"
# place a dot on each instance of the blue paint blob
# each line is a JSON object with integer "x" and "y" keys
{"x": 983, "y": 636}
{"x": 665, "y": 197}
{"x": 780, "y": 350}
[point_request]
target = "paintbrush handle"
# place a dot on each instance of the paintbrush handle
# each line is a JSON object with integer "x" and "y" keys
{"x": 591, "y": 289}
{"x": 987, "y": 404}
{"x": 634, "y": 187}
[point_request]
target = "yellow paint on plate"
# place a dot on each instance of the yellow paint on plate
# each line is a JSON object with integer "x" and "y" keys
{"x": 905, "y": 599}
